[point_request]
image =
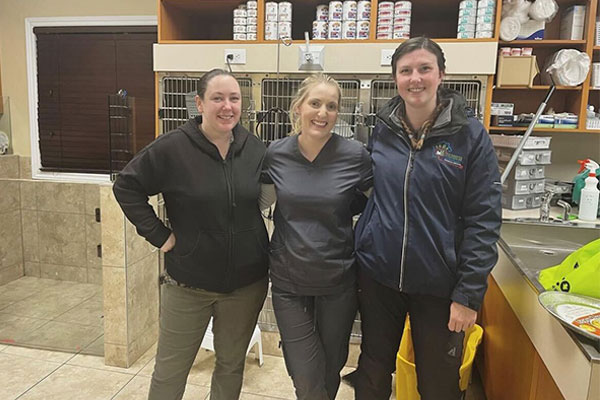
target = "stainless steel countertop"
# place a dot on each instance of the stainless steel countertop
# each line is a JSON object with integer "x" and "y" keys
{"x": 532, "y": 247}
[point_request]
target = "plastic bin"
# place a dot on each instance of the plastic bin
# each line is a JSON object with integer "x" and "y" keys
{"x": 406, "y": 374}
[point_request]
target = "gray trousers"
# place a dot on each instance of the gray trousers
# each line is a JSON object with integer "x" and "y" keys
{"x": 184, "y": 316}
{"x": 315, "y": 332}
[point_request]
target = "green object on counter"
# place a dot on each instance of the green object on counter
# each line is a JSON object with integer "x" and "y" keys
{"x": 579, "y": 183}
{"x": 578, "y": 273}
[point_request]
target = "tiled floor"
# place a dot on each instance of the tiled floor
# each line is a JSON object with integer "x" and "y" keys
{"x": 51, "y": 314}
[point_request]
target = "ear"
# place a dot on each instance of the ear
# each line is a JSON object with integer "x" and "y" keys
{"x": 198, "y": 103}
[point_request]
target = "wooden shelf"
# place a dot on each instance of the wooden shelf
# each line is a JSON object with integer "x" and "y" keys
{"x": 541, "y": 43}
{"x": 545, "y": 130}
{"x": 596, "y": 48}
{"x": 537, "y": 87}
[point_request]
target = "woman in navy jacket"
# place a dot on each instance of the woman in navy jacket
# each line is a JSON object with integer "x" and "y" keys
{"x": 427, "y": 239}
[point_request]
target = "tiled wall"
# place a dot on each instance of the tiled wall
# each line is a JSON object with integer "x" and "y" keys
{"x": 11, "y": 247}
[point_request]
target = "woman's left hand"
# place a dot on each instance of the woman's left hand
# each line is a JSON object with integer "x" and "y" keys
{"x": 461, "y": 317}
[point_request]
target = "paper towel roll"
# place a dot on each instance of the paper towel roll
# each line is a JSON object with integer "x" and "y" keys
{"x": 509, "y": 28}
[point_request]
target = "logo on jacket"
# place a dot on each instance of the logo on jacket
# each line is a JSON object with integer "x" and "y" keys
{"x": 443, "y": 152}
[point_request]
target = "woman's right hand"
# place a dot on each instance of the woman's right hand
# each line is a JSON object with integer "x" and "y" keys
{"x": 169, "y": 244}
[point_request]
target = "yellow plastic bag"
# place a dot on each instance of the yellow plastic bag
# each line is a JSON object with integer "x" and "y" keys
{"x": 578, "y": 273}
{"x": 406, "y": 373}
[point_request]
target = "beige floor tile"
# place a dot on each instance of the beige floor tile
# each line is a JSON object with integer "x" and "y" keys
{"x": 96, "y": 362}
{"x": 18, "y": 374}
{"x": 249, "y": 396}
{"x": 2, "y": 347}
{"x": 96, "y": 348}
{"x": 76, "y": 383}
{"x": 89, "y": 312}
{"x": 38, "y": 354}
{"x": 47, "y": 304}
{"x": 62, "y": 336}
{"x": 138, "y": 388}
{"x": 14, "y": 328}
{"x": 201, "y": 371}
{"x": 22, "y": 288}
{"x": 271, "y": 379}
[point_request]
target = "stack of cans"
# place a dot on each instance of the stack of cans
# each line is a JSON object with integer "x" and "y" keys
{"x": 486, "y": 12}
{"x": 335, "y": 14}
{"x": 244, "y": 21}
{"x": 363, "y": 19}
{"x": 385, "y": 20}
{"x": 342, "y": 20}
{"x": 319, "y": 31}
{"x": 278, "y": 20}
{"x": 402, "y": 14}
{"x": 467, "y": 19}
{"x": 349, "y": 19}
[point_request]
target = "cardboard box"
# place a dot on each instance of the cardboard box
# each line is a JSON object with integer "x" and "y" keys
{"x": 502, "y": 109}
{"x": 516, "y": 71}
{"x": 572, "y": 23}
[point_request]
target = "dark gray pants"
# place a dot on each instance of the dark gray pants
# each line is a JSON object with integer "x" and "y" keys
{"x": 438, "y": 351}
{"x": 315, "y": 331}
{"x": 184, "y": 316}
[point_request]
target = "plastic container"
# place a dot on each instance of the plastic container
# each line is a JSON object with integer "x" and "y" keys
{"x": 406, "y": 373}
{"x": 588, "y": 203}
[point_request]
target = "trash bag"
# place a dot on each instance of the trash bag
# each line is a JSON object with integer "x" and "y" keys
{"x": 579, "y": 273}
{"x": 566, "y": 67}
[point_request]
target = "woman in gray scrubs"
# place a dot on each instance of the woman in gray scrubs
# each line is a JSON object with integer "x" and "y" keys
{"x": 316, "y": 175}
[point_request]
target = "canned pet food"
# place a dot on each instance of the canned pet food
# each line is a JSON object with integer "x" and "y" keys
{"x": 284, "y": 30}
{"x": 467, "y": 20}
{"x": 334, "y": 33}
{"x": 486, "y": 11}
{"x": 385, "y": 21}
{"x": 505, "y": 51}
{"x": 251, "y": 21}
{"x": 251, "y": 28}
{"x": 363, "y": 10}
{"x": 336, "y": 9}
{"x": 362, "y": 29}
{"x": 466, "y": 28}
{"x": 516, "y": 51}
{"x": 384, "y": 35}
{"x": 401, "y": 21}
{"x": 349, "y": 30}
{"x": 467, "y": 4}
{"x": 527, "y": 51}
{"x": 239, "y": 29}
{"x": 322, "y": 13}
{"x": 349, "y": 11}
{"x": 401, "y": 35}
{"x": 271, "y": 30}
{"x": 285, "y": 12}
{"x": 401, "y": 28}
{"x": 252, "y": 13}
{"x": 402, "y": 13}
{"x": 239, "y": 36}
{"x": 485, "y": 19}
{"x": 465, "y": 35}
{"x": 251, "y": 36}
{"x": 402, "y": 5}
{"x": 484, "y": 34}
{"x": 386, "y": 5}
{"x": 467, "y": 12}
{"x": 385, "y": 14}
{"x": 484, "y": 27}
{"x": 240, "y": 13}
{"x": 385, "y": 28}
{"x": 252, "y": 5}
{"x": 319, "y": 30}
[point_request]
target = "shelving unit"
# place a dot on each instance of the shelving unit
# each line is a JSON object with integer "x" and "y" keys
{"x": 565, "y": 99}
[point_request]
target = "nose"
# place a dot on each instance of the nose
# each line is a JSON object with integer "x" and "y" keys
{"x": 415, "y": 75}
{"x": 322, "y": 110}
{"x": 227, "y": 103}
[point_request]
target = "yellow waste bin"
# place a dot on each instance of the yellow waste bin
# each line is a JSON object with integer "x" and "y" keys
{"x": 406, "y": 374}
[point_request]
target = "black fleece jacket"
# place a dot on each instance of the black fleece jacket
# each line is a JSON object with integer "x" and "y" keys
{"x": 212, "y": 206}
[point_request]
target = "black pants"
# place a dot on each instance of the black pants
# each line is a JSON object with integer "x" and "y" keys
{"x": 438, "y": 351}
{"x": 315, "y": 331}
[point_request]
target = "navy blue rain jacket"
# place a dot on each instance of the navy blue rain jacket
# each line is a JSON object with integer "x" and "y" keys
{"x": 433, "y": 219}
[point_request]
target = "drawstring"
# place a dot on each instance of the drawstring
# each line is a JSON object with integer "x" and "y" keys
{"x": 232, "y": 181}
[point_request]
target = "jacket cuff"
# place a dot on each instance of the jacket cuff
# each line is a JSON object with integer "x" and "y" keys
{"x": 159, "y": 236}
{"x": 461, "y": 298}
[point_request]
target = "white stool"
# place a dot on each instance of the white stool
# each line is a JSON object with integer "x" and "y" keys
{"x": 207, "y": 342}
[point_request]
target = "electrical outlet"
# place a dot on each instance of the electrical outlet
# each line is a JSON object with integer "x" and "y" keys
{"x": 386, "y": 57}
{"x": 237, "y": 56}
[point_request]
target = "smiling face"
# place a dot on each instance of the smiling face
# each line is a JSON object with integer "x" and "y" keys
{"x": 221, "y": 105}
{"x": 417, "y": 78}
{"x": 319, "y": 111}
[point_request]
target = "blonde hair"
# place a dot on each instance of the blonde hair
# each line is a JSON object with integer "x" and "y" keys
{"x": 305, "y": 87}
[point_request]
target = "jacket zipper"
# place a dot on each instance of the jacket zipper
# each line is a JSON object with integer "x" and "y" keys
{"x": 228, "y": 182}
{"x": 409, "y": 167}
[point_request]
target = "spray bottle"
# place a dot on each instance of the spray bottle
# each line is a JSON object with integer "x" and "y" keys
{"x": 588, "y": 203}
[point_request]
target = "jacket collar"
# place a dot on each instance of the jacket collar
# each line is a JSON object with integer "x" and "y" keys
{"x": 192, "y": 130}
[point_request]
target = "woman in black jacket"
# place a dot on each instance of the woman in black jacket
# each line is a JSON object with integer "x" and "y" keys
{"x": 215, "y": 248}
{"x": 316, "y": 174}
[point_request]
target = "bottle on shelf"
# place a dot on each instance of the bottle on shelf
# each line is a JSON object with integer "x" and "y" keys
{"x": 588, "y": 203}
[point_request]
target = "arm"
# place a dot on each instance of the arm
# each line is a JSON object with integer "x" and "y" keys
{"x": 267, "y": 196}
{"x": 140, "y": 179}
{"x": 481, "y": 216}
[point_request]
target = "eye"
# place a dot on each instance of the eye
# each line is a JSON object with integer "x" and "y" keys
{"x": 426, "y": 68}
{"x": 217, "y": 98}
{"x": 315, "y": 103}
{"x": 404, "y": 71}
{"x": 332, "y": 106}
{"x": 234, "y": 99}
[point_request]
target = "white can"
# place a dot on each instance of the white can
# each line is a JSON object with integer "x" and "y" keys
{"x": 271, "y": 30}
{"x": 402, "y": 5}
{"x": 385, "y": 28}
{"x": 465, "y": 35}
{"x": 322, "y": 13}
{"x": 484, "y": 27}
{"x": 467, "y": 12}
{"x": 252, "y": 5}
{"x": 486, "y": 11}
{"x": 401, "y": 21}
{"x": 240, "y": 13}
{"x": 334, "y": 34}
{"x": 595, "y": 81}
{"x": 516, "y": 51}
{"x": 505, "y": 51}
{"x": 251, "y": 21}
{"x": 240, "y": 36}
{"x": 384, "y": 35}
{"x": 467, "y": 4}
{"x": 285, "y": 30}
{"x": 240, "y": 21}
{"x": 363, "y": 10}
{"x": 466, "y": 28}
{"x": 385, "y": 5}
{"x": 467, "y": 20}
{"x": 362, "y": 29}
{"x": 484, "y": 34}
{"x": 385, "y": 14}
{"x": 252, "y": 13}
{"x": 239, "y": 29}
{"x": 271, "y": 7}
{"x": 486, "y": 3}
{"x": 402, "y": 13}
{"x": 251, "y": 36}
{"x": 336, "y": 9}
{"x": 271, "y": 17}
{"x": 334, "y": 26}
{"x": 385, "y": 21}
{"x": 401, "y": 28}
{"x": 485, "y": 19}
{"x": 527, "y": 51}
{"x": 349, "y": 30}
{"x": 349, "y": 11}
{"x": 401, "y": 35}
{"x": 319, "y": 30}
{"x": 285, "y": 11}
{"x": 251, "y": 29}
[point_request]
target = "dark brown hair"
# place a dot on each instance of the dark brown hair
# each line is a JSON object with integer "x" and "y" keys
{"x": 417, "y": 43}
{"x": 206, "y": 78}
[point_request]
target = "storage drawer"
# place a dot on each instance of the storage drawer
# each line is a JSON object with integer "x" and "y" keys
{"x": 524, "y": 172}
{"x": 521, "y": 202}
{"x": 523, "y": 187}
{"x": 527, "y": 157}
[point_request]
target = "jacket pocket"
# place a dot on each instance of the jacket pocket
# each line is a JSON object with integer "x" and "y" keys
{"x": 250, "y": 248}
{"x": 210, "y": 249}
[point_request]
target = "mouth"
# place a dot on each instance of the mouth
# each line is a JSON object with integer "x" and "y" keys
{"x": 320, "y": 124}
{"x": 416, "y": 89}
{"x": 225, "y": 118}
